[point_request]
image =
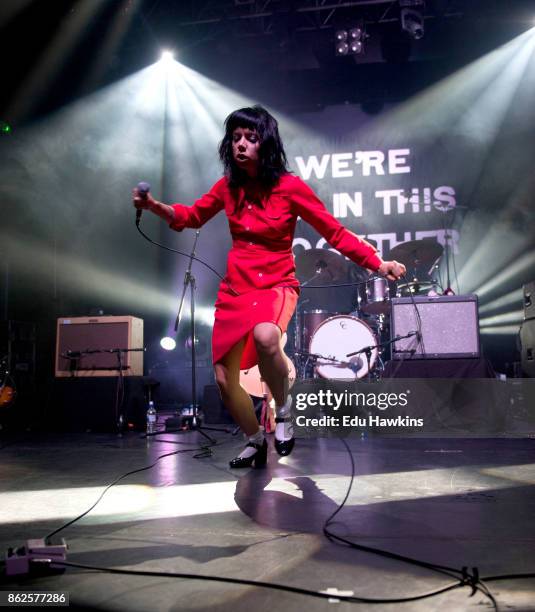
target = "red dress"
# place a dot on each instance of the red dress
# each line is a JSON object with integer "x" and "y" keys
{"x": 260, "y": 265}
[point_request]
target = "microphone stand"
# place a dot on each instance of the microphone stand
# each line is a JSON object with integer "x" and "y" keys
{"x": 447, "y": 243}
{"x": 367, "y": 350}
{"x": 189, "y": 280}
{"x": 299, "y": 349}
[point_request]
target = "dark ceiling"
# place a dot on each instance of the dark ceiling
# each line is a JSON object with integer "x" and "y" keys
{"x": 270, "y": 49}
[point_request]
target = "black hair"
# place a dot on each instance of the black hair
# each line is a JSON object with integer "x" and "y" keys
{"x": 272, "y": 158}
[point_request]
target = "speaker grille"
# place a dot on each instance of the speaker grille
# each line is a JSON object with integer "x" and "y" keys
{"x": 82, "y": 334}
{"x": 449, "y": 327}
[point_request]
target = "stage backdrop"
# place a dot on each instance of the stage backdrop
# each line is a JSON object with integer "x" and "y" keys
{"x": 458, "y": 155}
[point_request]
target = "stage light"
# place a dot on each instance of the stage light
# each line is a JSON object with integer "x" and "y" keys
{"x": 342, "y": 48}
{"x": 5, "y": 128}
{"x": 168, "y": 343}
{"x": 356, "y": 47}
{"x": 350, "y": 41}
{"x": 412, "y": 22}
{"x": 167, "y": 57}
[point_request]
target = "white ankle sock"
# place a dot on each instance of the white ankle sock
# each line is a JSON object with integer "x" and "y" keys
{"x": 249, "y": 451}
{"x": 284, "y": 431}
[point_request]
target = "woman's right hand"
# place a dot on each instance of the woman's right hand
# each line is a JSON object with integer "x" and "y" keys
{"x": 142, "y": 201}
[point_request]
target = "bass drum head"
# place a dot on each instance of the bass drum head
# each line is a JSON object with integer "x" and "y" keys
{"x": 335, "y": 338}
{"x": 310, "y": 321}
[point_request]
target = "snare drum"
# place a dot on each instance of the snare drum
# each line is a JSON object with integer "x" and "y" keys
{"x": 376, "y": 298}
{"x": 335, "y": 338}
{"x": 416, "y": 288}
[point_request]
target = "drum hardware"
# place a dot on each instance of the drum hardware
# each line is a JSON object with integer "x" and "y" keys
{"x": 367, "y": 350}
{"x": 316, "y": 356}
{"x": 415, "y": 254}
{"x": 417, "y": 287}
{"x": 323, "y": 265}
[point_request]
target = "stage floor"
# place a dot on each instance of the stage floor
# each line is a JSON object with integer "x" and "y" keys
{"x": 453, "y": 502}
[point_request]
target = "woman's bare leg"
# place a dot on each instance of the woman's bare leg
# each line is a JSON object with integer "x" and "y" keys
{"x": 274, "y": 370}
{"x": 236, "y": 399}
{"x": 272, "y": 361}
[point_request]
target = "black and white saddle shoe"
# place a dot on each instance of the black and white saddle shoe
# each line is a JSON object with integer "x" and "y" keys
{"x": 284, "y": 447}
{"x": 259, "y": 458}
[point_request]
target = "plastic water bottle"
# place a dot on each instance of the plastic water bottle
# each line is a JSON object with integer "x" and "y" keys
{"x": 151, "y": 418}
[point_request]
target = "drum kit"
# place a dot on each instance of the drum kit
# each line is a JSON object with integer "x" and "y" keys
{"x": 335, "y": 345}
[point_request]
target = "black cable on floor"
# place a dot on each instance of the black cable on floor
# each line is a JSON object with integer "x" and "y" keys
{"x": 258, "y": 583}
{"x": 464, "y": 576}
{"x": 203, "y": 450}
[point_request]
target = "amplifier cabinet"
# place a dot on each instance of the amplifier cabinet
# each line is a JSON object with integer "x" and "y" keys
{"x": 449, "y": 327}
{"x": 79, "y": 341}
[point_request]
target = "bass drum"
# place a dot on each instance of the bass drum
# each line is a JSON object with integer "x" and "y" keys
{"x": 334, "y": 339}
{"x": 310, "y": 320}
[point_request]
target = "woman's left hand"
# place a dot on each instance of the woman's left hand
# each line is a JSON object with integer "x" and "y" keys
{"x": 392, "y": 270}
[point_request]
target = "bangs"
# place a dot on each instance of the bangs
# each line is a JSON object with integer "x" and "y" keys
{"x": 272, "y": 158}
{"x": 244, "y": 118}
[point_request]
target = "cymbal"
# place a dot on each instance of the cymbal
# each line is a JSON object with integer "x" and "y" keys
{"x": 331, "y": 266}
{"x": 417, "y": 252}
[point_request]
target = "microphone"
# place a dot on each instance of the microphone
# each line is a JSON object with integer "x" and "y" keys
{"x": 320, "y": 266}
{"x": 142, "y": 188}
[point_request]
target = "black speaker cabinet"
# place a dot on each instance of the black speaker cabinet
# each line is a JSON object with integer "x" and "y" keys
{"x": 527, "y": 342}
{"x": 88, "y": 403}
{"x": 529, "y": 300}
{"x": 449, "y": 327}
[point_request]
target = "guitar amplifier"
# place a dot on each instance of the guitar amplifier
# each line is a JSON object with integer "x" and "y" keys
{"x": 448, "y": 325}
{"x": 87, "y": 346}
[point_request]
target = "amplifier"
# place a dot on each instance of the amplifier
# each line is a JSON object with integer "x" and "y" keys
{"x": 86, "y": 346}
{"x": 529, "y": 300}
{"x": 449, "y": 327}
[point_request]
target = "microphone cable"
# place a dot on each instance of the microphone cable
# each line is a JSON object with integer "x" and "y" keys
{"x": 464, "y": 576}
{"x": 418, "y": 318}
{"x": 188, "y": 255}
{"x": 223, "y": 279}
